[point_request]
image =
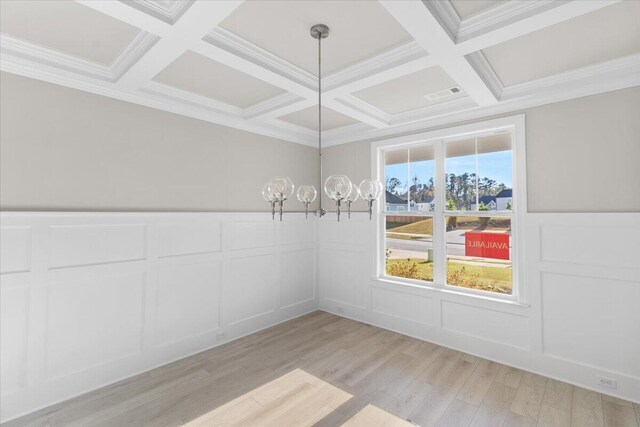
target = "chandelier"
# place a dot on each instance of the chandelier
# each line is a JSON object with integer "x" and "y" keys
{"x": 338, "y": 188}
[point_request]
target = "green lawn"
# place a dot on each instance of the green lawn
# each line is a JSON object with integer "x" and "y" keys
{"x": 425, "y": 227}
{"x": 469, "y": 276}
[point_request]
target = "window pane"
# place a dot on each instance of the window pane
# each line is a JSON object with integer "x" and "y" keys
{"x": 421, "y": 188}
{"x": 409, "y": 247}
{"x": 479, "y": 253}
{"x": 396, "y": 171}
{"x": 495, "y": 172}
{"x": 460, "y": 175}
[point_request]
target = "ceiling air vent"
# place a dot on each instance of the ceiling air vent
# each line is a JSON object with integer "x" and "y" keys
{"x": 443, "y": 93}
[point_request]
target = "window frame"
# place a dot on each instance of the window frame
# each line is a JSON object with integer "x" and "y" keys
{"x": 438, "y": 138}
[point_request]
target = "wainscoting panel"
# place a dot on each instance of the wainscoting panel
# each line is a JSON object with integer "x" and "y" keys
{"x": 250, "y": 290}
{"x": 93, "y": 321}
{"x": 75, "y": 245}
{"x": 14, "y": 333}
{"x": 187, "y": 301}
{"x": 298, "y": 267}
{"x": 597, "y": 314}
{"x": 15, "y": 249}
{"x": 92, "y": 298}
{"x": 579, "y": 318}
{"x": 188, "y": 239}
{"x": 490, "y": 325}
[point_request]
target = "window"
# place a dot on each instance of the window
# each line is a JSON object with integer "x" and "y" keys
{"x": 449, "y": 217}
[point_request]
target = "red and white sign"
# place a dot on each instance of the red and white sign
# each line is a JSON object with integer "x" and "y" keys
{"x": 486, "y": 244}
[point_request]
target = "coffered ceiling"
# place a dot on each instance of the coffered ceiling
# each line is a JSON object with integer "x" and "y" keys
{"x": 389, "y": 66}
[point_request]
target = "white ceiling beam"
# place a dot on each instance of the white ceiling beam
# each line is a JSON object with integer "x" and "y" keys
{"x": 514, "y": 19}
{"x": 357, "y": 112}
{"x": 424, "y": 27}
{"x": 277, "y": 106}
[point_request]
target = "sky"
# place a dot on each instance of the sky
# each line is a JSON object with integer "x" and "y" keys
{"x": 496, "y": 165}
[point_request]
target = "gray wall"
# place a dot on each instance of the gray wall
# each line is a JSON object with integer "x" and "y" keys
{"x": 66, "y": 149}
{"x": 583, "y": 155}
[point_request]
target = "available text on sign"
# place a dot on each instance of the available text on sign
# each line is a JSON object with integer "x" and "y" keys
{"x": 486, "y": 244}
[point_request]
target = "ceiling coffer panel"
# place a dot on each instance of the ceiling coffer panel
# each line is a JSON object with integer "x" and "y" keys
{"x": 359, "y": 30}
{"x": 67, "y": 27}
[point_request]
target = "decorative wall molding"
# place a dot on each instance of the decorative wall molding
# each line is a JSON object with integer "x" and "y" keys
{"x": 92, "y": 298}
{"x": 536, "y": 337}
{"x": 441, "y": 38}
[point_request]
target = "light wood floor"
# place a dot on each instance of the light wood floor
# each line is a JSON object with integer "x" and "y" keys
{"x": 328, "y": 371}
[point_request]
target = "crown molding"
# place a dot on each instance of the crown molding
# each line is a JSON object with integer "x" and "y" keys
{"x": 168, "y": 12}
{"x": 175, "y": 94}
{"x": 431, "y": 22}
{"x": 437, "y": 110}
{"x": 361, "y": 105}
{"x": 446, "y": 15}
{"x": 517, "y": 18}
{"x": 52, "y": 74}
{"x": 133, "y": 53}
{"x": 277, "y": 106}
{"x": 482, "y": 67}
{"x": 242, "y": 48}
{"x": 41, "y": 56}
{"x": 591, "y": 80}
{"x": 503, "y": 14}
{"x": 617, "y": 73}
{"x": 13, "y": 46}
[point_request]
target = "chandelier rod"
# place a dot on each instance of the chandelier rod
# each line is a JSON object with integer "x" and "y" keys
{"x": 320, "y": 118}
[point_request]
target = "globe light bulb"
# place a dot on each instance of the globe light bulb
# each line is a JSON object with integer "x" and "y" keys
{"x": 267, "y": 196}
{"x": 353, "y": 194}
{"x": 337, "y": 187}
{"x": 265, "y": 193}
{"x": 370, "y": 190}
{"x": 281, "y": 188}
{"x": 351, "y": 197}
{"x": 306, "y": 194}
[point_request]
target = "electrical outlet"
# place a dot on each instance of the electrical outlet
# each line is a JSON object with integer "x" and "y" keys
{"x": 606, "y": 382}
{"x": 339, "y": 309}
{"x": 220, "y": 336}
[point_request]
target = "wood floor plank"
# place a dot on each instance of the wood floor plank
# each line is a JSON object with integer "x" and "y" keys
{"x": 458, "y": 414}
{"x": 618, "y": 414}
{"x": 517, "y": 420}
{"x": 528, "y": 399}
{"x": 509, "y": 376}
{"x": 558, "y": 395}
{"x": 372, "y": 416}
{"x": 445, "y": 390}
{"x": 478, "y": 384}
{"x": 495, "y": 406}
{"x": 554, "y": 417}
{"x": 325, "y": 369}
{"x": 586, "y": 410}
